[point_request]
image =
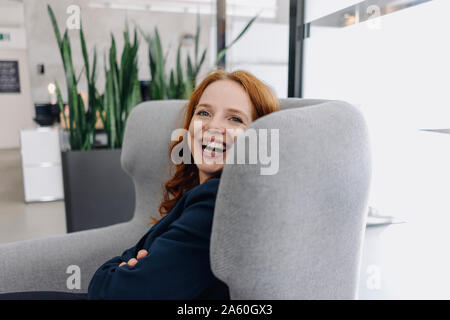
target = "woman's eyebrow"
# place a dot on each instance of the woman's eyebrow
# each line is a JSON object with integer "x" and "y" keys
{"x": 235, "y": 110}
{"x": 204, "y": 105}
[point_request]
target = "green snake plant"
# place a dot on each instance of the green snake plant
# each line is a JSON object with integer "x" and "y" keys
{"x": 178, "y": 85}
{"x": 81, "y": 120}
{"x": 122, "y": 89}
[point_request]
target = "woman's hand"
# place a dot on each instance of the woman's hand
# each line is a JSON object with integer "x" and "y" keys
{"x": 132, "y": 262}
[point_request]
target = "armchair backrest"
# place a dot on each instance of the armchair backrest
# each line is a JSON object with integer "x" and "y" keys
{"x": 145, "y": 152}
{"x": 296, "y": 234}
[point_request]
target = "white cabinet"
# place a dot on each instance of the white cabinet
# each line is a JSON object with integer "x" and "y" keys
{"x": 41, "y": 164}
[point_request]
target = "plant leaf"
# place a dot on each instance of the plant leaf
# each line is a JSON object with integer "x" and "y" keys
{"x": 243, "y": 31}
{"x": 61, "y": 104}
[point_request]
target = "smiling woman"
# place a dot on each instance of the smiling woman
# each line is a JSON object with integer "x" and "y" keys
{"x": 172, "y": 260}
{"x": 220, "y": 108}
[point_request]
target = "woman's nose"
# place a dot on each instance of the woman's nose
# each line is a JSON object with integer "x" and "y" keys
{"x": 215, "y": 125}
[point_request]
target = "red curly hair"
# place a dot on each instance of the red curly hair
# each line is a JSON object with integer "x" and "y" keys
{"x": 186, "y": 176}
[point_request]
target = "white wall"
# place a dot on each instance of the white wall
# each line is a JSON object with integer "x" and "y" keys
{"x": 16, "y": 109}
{"x": 11, "y": 13}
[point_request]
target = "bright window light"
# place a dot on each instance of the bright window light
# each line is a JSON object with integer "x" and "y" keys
{"x": 242, "y": 8}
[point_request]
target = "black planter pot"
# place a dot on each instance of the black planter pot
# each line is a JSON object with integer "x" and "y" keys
{"x": 97, "y": 192}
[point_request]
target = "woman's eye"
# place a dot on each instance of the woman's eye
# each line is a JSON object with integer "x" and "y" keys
{"x": 236, "y": 119}
{"x": 202, "y": 113}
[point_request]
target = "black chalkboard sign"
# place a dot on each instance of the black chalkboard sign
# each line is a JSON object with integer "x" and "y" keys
{"x": 9, "y": 76}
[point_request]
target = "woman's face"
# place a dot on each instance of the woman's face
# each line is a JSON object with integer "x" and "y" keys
{"x": 223, "y": 111}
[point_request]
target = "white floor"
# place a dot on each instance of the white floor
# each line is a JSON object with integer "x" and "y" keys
{"x": 18, "y": 220}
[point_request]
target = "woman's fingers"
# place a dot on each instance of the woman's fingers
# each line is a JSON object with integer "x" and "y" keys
{"x": 132, "y": 262}
{"x": 142, "y": 254}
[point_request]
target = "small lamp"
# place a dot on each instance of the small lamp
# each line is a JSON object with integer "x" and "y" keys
{"x": 52, "y": 92}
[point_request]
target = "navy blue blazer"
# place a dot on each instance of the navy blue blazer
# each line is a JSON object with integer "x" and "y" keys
{"x": 177, "y": 266}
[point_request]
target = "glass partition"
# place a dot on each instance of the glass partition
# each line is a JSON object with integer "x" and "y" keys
{"x": 391, "y": 60}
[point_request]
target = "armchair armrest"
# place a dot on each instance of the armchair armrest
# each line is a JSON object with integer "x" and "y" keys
{"x": 43, "y": 264}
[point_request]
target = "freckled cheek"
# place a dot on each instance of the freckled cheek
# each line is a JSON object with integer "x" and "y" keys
{"x": 192, "y": 138}
{"x": 234, "y": 135}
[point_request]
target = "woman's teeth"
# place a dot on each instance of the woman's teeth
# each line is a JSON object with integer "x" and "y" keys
{"x": 214, "y": 147}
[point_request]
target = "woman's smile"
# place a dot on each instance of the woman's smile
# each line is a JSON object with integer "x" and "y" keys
{"x": 213, "y": 150}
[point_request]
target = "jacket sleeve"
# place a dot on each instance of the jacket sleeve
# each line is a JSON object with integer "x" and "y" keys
{"x": 177, "y": 265}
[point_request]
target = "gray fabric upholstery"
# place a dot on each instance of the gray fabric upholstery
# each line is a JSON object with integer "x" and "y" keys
{"x": 324, "y": 141}
{"x": 296, "y": 234}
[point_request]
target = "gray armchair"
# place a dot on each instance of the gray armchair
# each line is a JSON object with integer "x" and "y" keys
{"x": 293, "y": 235}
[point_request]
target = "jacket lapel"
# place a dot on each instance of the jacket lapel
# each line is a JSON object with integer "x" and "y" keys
{"x": 163, "y": 224}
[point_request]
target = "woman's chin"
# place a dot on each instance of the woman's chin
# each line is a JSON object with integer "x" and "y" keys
{"x": 210, "y": 169}
{"x": 210, "y": 161}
